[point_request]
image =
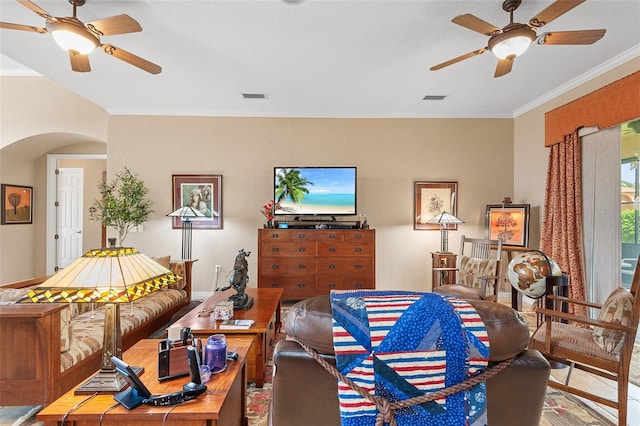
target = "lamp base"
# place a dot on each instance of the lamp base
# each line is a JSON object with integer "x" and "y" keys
{"x": 106, "y": 381}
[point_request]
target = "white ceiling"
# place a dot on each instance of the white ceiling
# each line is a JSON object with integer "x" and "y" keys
{"x": 320, "y": 58}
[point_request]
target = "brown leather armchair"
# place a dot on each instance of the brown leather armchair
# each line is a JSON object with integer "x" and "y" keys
{"x": 304, "y": 393}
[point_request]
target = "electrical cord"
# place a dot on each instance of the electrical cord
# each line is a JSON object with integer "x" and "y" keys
{"x": 164, "y": 418}
{"x": 75, "y": 407}
{"x": 107, "y": 410}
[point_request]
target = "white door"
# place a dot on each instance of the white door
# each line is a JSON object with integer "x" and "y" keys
{"x": 69, "y": 215}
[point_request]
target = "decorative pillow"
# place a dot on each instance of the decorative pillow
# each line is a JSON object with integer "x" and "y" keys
{"x": 178, "y": 269}
{"x": 470, "y": 268}
{"x": 617, "y": 309}
{"x": 164, "y": 260}
{"x": 8, "y": 296}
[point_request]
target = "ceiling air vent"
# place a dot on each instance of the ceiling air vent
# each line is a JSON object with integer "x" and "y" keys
{"x": 433, "y": 97}
{"x": 254, "y": 96}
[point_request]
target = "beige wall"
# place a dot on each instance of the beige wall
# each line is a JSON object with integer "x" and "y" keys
{"x": 389, "y": 153}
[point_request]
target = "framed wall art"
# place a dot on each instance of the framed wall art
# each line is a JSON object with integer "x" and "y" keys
{"x": 509, "y": 221}
{"x": 17, "y": 204}
{"x": 202, "y": 192}
{"x": 431, "y": 199}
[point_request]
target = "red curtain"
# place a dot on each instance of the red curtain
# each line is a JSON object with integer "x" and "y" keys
{"x": 561, "y": 236}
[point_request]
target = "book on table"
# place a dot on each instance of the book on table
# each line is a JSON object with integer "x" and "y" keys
{"x": 232, "y": 324}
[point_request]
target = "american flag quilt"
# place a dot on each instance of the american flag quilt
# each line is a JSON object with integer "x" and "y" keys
{"x": 400, "y": 345}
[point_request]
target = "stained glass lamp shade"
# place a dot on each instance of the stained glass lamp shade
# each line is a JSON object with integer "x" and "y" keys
{"x": 112, "y": 276}
{"x": 444, "y": 219}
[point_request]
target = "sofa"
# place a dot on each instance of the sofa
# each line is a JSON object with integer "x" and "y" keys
{"x": 48, "y": 348}
{"x": 305, "y": 393}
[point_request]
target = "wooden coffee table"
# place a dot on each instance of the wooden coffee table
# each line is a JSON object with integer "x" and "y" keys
{"x": 223, "y": 404}
{"x": 266, "y": 314}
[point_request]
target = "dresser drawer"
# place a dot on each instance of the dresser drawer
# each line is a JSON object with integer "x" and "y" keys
{"x": 345, "y": 265}
{"x": 294, "y": 287}
{"x": 274, "y": 234}
{"x": 326, "y": 283}
{"x": 329, "y": 249}
{"x": 288, "y": 248}
{"x": 288, "y": 265}
{"x": 359, "y": 235}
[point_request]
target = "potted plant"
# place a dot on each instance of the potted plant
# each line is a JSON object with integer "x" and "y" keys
{"x": 123, "y": 203}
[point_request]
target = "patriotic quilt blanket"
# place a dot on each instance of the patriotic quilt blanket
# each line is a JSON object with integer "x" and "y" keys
{"x": 401, "y": 345}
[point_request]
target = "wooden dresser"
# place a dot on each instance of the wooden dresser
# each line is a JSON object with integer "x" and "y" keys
{"x": 310, "y": 262}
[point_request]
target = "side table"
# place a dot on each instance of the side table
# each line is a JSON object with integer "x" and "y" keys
{"x": 224, "y": 402}
{"x": 443, "y": 268}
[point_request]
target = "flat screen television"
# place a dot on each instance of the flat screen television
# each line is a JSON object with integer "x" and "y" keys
{"x": 318, "y": 191}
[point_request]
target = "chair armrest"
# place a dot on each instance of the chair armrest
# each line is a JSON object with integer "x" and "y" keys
{"x": 444, "y": 269}
{"x": 583, "y": 320}
{"x": 574, "y": 301}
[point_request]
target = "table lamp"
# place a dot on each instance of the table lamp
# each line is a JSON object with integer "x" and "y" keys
{"x": 113, "y": 276}
{"x": 444, "y": 219}
{"x": 187, "y": 215}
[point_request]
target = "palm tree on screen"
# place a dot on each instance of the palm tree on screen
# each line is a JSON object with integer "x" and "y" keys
{"x": 291, "y": 185}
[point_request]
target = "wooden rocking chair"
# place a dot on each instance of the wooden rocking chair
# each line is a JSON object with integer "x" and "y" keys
{"x": 604, "y": 349}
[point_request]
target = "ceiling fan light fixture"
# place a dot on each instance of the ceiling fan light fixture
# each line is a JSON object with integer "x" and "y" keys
{"x": 514, "y": 42}
{"x": 72, "y": 36}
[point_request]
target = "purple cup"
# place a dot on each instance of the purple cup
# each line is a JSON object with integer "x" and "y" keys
{"x": 215, "y": 353}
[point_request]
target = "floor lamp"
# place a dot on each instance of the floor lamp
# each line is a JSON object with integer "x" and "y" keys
{"x": 112, "y": 276}
{"x": 187, "y": 214}
{"x": 444, "y": 219}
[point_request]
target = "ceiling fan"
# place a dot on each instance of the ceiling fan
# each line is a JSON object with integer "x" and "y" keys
{"x": 514, "y": 39}
{"x": 79, "y": 39}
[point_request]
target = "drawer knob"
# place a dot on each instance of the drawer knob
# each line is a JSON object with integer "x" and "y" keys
{"x": 332, "y": 285}
{"x": 358, "y": 249}
{"x": 358, "y": 285}
{"x": 301, "y": 285}
{"x": 302, "y": 236}
{"x": 274, "y": 235}
{"x": 274, "y": 285}
{"x": 301, "y": 266}
{"x": 275, "y": 266}
{"x": 332, "y": 235}
{"x": 332, "y": 249}
{"x": 302, "y": 249}
{"x": 358, "y": 236}
{"x": 275, "y": 249}
{"x": 332, "y": 266}
{"x": 357, "y": 266}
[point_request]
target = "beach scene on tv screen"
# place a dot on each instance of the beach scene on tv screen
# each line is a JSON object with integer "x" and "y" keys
{"x": 328, "y": 191}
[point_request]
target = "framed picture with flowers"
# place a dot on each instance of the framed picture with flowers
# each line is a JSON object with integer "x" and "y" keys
{"x": 432, "y": 198}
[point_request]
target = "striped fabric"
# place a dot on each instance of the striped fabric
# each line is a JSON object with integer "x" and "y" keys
{"x": 401, "y": 345}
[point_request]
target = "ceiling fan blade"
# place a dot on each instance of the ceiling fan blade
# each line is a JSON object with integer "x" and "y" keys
{"x": 35, "y": 8}
{"x": 79, "y": 63}
{"x": 554, "y": 10}
{"x": 571, "y": 37}
{"x": 476, "y": 24}
{"x": 504, "y": 66}
{"x": 458, "y": 59}
{"x": 134, "y": 60}
{"x": 120, "y": 24}
{"x": 10, "y": 26}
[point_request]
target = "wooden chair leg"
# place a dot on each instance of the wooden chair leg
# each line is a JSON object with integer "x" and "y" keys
{"x": 623, "y": 395}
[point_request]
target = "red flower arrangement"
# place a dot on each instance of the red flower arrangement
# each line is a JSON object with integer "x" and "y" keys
{"x": 269, "y": 209}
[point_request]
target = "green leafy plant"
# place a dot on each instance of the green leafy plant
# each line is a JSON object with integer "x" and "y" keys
{"x": 123, "y": 203}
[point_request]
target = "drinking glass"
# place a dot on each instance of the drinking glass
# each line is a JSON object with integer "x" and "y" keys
{"x": 215, "y": 353}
